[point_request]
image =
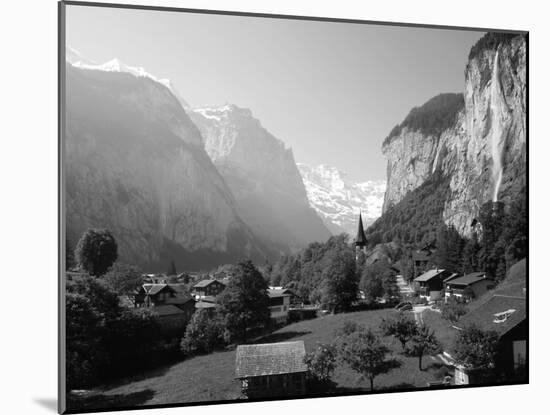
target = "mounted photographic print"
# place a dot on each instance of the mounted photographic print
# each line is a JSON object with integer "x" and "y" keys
{"x": 258, "y": 207}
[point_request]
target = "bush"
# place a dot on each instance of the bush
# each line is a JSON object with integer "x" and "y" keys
{"x": 203, "y": 334}
{"x": 322, "y": 362}
{"x": 453, "y": 309}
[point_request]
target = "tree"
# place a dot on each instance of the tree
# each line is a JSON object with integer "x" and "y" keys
{"x": 244, "y": 303}
{"x": 123, "y": 278}
{"x": 453, "y": 309}
{"x": 422, "y": 342}
{"x": 172, "y": 269}
{"x": 403, "y": 328}
{"x": 476, "y": 348}
{"x": 340, "y": 281}
{"x": 321, "y": 362}
{"x": 365, "y": 353}
{"x": 203, "y": 334}
{"x": 69, "y": 255}
{"x": 89, "y": 307}
{"x": 378, "y": 281}
{"x": 96, "y": 251}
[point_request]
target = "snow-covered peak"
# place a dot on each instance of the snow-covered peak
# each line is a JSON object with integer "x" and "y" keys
{"x": 77, "y": 60}
{"x": 338, "y": 199}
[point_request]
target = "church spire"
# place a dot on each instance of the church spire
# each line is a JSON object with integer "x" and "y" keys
{"x": 360, "y": 239}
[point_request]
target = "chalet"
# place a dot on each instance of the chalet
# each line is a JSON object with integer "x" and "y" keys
{"x": 505, "y": 312}
{"x": 505, "y": 315}
{"x": 279, "y": 304}
{"x": 207, "y": 288}
{"x": 273, "y": 369}
{"x": 468, "y": 286}
{"x": 430, "y": 284}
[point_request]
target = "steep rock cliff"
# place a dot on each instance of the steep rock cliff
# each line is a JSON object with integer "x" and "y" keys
{"x": 477, "y": 140}
{"x": 262, "y": 175}
{"x": 135, "y": 163}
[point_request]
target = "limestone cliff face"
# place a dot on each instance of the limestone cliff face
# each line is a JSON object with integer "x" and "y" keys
{"x": 262, "y": 175}
{"x": 481, "y": 145}
{"x": 135, "y": 163}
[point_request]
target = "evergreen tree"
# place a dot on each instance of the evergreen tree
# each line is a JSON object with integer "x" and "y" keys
{"x": 244, "y": 303}
{"x": 340, "y": 281}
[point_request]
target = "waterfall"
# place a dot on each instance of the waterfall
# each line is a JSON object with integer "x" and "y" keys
{"x": 498, "y": 120}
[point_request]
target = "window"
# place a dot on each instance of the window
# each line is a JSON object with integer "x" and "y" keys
{"x": 503, "y": 316}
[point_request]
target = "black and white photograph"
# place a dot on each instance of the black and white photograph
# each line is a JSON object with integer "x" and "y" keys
{"x": 268, "y": 207}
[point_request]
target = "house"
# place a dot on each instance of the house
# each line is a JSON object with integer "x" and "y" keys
{"x": 279, "y": 304}
{"x": 430, "y": 284}
{"x": 273, "y": 369}
{"x": 158, "y": 294}
{"x": 468, "y": 286}
{"x": 207, "y": 288}
{"x": 505, "y": 312}
{"x": 505, "y": 315}
{"x": 421, "y": 259}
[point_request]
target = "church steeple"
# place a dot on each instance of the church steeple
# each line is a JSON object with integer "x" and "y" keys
{"x": 360, "y": 239}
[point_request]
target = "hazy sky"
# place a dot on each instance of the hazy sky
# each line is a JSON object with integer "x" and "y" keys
{"x": 331, "y": 91}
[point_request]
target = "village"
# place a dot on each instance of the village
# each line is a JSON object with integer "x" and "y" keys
{"x": 438, "y": 329}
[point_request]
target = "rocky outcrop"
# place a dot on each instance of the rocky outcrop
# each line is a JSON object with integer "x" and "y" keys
{"x": 262, "y": 175}
{"x": 338, "y": 199}
{"x": 135, "y": 163}
{"x": 479, "y": 145}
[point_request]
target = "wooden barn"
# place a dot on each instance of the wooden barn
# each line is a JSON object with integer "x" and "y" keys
{"x": 273, "y": 369}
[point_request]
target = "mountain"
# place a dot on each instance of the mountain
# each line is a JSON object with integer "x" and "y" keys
{"x": 262, "y": 175}
{"x": 467, "y": 148}
{"x": 77, "y": 60}
{"x": 338, "y": 199}
{"x": 135, "y": 163}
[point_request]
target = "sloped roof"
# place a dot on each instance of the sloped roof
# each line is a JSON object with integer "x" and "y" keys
{"x": 205, "y": 283}
{"x": 360, "y": 238}
{"x": 468, "y": 279}
{"x": 167, "y": 310}
{"x": 428, "y": 275}
{"x": 179, "y": 299}
{"x": 153, "y": 289}
{"x": 484, "y": 316}
{"x": 278, "y": 292}
{"x": 270, "y": 359}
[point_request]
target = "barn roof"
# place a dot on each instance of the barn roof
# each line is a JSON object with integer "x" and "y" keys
{"x": 501, "y": 313}
{"x": 428, "y": 275}
{"x": 270, "y": 359}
